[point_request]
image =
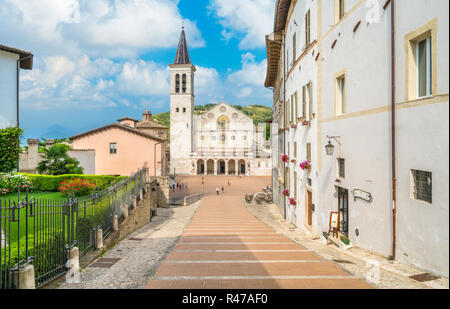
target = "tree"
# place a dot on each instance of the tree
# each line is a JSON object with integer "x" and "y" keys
{"x": 56, "y": 161}
{"x": 9, "y": 148}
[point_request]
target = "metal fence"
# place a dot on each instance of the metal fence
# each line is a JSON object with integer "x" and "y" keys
{"x": 41, "y": 232}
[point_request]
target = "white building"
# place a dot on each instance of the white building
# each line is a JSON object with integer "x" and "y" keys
{"x": 344, "y": 52}
{"x": 221, "y": 141}
{"x": 11, "y": 61}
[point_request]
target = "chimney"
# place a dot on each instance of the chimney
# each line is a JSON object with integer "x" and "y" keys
{"x": 33, "y": 153}
{"x": 49, "y": 143}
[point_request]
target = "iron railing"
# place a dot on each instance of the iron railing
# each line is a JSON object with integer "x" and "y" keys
{"x": 41, "y": 232}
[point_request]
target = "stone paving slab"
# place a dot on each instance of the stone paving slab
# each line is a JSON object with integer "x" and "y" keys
{"x": 230, "y": 256}
{"x": 186, "y": 240}
{"x": 238, "y": 246}
{"x": 260, "y": 284}
{"x": 261, "y": 268}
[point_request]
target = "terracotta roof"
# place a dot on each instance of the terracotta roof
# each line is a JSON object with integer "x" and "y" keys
{"x": 182, "y": 56}
{"x": 150, "y": 124}
{"x": 26, "y": 64}
{"x": 119, "y": 126}
{"x": 128, "y": 118}
{"x": 81, "y": 150}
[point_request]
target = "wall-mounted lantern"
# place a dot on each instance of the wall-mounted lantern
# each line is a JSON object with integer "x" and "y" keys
{"x": 330, "y": 147}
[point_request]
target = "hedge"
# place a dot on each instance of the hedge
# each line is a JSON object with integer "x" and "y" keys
{"x": 51, "y": 183}
{"x": 9, "y": 148}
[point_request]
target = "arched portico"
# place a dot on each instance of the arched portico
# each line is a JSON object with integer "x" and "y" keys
{"x": 231, "y": 167}
{"x": 200, "y": 167}
{"x": 241, "y": 167}
{"x": 221, "y": 168}
{"x": 210, "y": 167}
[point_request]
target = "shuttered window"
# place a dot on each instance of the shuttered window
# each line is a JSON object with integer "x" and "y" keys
{"x": 308, "y": 28}
{"x": 308, "y": 152}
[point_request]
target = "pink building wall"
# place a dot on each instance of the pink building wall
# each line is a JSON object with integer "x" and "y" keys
{"x": 133, "y": 151}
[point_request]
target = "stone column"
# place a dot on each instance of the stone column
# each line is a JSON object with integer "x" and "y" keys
{"x": 115, "y": 225}
{"x": 215, "y": 167}
{"x": 24, "y": 278}
{"x": 205, "y": 161}
{"x": 226, "y": 167}
{"x": 99, "y": 239}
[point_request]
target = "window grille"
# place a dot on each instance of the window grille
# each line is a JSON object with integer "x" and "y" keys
{"x": 341, "y": 167}
{"x": 422, "y": 185}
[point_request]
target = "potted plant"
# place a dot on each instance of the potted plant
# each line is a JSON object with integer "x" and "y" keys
{"x": 293, "y": 160}
{"x": 344, "y": 243}
{"x": 305, "y": 123}
{"x": 286, "y": 192}
{"x": 305, "y": 165}
{"x": 292, "y": 202}
{"x": 293, "y": 126}
{"x": 285, "y": 158}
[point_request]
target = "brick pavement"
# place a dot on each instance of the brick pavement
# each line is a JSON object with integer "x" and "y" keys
{"x": 226, "y": 247}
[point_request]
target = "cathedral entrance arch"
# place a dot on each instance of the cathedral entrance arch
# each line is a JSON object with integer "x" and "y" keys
{"x": 210, "y": 167}
{"x": 221, "y": 167}
{"x": 241, "y": 165}
{"x": 200, "y": 167}
{"x": 231, "y": 167}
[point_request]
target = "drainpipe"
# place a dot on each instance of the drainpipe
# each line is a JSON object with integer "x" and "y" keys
{"x": 17, "y": 84}
{"x": 284, "y": 113}
{"x": 394, "y": 179}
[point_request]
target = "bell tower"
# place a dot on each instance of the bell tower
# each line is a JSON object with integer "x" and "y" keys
{"x": 181, "y": 110}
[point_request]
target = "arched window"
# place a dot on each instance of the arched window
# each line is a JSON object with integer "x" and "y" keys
{"x": 177, "y": 83}
{"x": 184, "y": 83}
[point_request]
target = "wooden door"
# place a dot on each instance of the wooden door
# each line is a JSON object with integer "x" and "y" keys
{"x": 308, "y": 208}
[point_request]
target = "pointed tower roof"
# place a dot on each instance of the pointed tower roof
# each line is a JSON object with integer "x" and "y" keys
{"x": 182, "y": 56}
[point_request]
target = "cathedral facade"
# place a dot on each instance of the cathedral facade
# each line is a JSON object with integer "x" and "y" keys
{"x": 221, "y": 141}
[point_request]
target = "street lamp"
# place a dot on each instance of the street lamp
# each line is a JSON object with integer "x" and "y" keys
{"x": 330, "y": 147}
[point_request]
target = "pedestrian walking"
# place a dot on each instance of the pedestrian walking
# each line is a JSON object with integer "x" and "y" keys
{"x": 223, "y": 189}
{"x": 229, "y": 183}
{"x": 217, "y": 190}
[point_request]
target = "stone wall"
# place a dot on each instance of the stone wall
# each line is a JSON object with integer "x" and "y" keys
{"x": 137, "y": 217}
{"x": 161, "y": 186}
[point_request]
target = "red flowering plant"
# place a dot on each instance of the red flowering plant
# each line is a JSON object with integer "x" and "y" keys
{"x": 305, "y": 165}
{"x": 286, "y": 192}
{"x": 285, "y": 158}
{"x": 292, "y": 201}
{"x": 76, "y": 186}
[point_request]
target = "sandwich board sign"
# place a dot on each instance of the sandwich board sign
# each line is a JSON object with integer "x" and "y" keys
{"x": 334, "y": 223}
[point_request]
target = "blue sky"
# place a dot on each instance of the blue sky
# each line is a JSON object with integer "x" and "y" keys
{"x": 99, "y": 60}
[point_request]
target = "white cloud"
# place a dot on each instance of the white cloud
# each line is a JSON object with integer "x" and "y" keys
{"x": 251, "y": 73}
{"x": 101, "y": 28}
{"x": 250, "y": 18}
{"x": 248, "y": 82}
{"x": 144, "y": 78}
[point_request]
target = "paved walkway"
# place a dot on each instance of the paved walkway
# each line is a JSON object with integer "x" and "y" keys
{"x": 227, "y": 247}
